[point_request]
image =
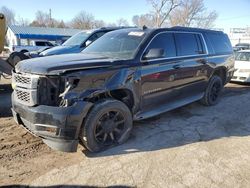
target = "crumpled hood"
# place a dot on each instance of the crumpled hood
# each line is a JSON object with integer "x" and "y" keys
{"x": 61, "y": 50}
{"x": 54, "y": 65}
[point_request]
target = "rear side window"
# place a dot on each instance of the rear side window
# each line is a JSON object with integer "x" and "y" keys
{"x": 40, "y": 44}
{"x": 188, "y": 44}
{"x": 164, "y": 41}
{"x": 219, "y": 42}
{"x": 49, "y": 44}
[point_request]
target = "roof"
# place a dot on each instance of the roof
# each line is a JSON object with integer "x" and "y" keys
{"x": 42, "y": 32}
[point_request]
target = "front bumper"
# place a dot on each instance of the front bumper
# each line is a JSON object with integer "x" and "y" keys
{"x": 58, "y": 127}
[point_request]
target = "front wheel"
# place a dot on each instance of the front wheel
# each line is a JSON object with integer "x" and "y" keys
{"x": 108, "y": 123}
{"x": 213, "y": 91}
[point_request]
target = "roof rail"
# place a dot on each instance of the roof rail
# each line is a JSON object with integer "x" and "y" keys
{"x": 118, "y": 27}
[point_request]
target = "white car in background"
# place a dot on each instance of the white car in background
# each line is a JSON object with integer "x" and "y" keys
{"x": 242, "y": 66}
{"x": 34, "y": 46}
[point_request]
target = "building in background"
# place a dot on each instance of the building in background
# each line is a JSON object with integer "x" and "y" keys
{"x": 24, "y": 35}
{"x": 239, "y": 35}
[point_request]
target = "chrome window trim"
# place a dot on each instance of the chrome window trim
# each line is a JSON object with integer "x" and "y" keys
{"x": 177, "y": 57}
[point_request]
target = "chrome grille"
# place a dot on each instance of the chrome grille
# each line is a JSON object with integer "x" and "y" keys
{"x": 22, "y": 79}
{"x": 23, "y": 96}
{"x": 25, "y": 88}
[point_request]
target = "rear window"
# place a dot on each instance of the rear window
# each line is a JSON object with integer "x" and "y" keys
{"x": 188, "y": 44}
{"x": 219, "y": 43}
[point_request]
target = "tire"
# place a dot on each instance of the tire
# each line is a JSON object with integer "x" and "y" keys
{"x": 108, "y": 123}
{"x": 213, "y": 91}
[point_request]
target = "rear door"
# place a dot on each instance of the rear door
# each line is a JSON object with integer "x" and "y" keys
{"x": 192, "y": 74}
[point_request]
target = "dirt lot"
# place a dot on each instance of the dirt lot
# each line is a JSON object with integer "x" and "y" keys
{"x": 194, "y": 146}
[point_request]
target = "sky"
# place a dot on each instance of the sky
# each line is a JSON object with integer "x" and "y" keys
{"x": 232, "y": 13}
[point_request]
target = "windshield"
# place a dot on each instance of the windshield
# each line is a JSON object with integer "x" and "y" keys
{"x": 77, "y": 39}
{"x": 117, "y": 45}
{"x": 242, "y": 56}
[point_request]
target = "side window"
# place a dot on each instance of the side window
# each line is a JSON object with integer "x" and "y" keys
{"x": 40, "y": 44}
{"x": 188, "y": 44}
{"x": 49, "y": 44}
{"x": 99, "y": 34}
{"x": 96, "y": 36}
{"x": 220, "y": 43}
{"x": 93, "y": 37}
{"x": 166, "y": 42}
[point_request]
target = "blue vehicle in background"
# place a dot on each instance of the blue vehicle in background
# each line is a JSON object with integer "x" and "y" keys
{"x": 74, "y": 44}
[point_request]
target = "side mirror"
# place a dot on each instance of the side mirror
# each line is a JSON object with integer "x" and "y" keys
{"x": 154, "y": 54}
{"x": 88, "y": 42}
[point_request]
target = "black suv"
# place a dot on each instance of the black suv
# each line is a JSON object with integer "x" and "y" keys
{"x": 127, "y": 75}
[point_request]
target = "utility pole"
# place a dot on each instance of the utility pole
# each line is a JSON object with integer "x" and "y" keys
{"x": 50, "y": 17}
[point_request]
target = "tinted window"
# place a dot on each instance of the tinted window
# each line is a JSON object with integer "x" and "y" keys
{"x": 99, "y": 34}
{"x": 220, "y": 42}
{"x": 164, "y": 41}
{"x": 40, "y": 43}
{"x": 49, "y": 44}
{"x": 188, "y": 44}
{"x": 96, "y": 36}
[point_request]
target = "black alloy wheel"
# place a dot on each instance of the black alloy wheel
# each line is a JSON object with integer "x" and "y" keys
{"x": 108, "y": 123}
{"x": 213, "y": 91}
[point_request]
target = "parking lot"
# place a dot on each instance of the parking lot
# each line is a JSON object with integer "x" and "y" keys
{"x": 194, "y": 146}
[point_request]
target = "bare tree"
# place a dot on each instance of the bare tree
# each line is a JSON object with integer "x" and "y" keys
{"x": 9, "y": 15}
{"x": 61, "y": 24}
{"x": 162, "y": 10}
{"x": 23, "y": 22}
{"x": 193, "y": 13}
{"x": 144, "y": 19}
{"x": 122, "y": 22}
{"x": 44, "y": 19}
{"x": 98, "y": 23}
{"x": 83, "y": 20}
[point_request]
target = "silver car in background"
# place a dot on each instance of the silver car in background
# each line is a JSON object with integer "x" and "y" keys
{"x": 242, "y": 66}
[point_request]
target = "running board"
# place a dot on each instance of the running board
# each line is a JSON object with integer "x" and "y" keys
{"x": 167, "y": 107}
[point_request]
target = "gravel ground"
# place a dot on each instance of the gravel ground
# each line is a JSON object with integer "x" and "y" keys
{"x": 193, "y": 146}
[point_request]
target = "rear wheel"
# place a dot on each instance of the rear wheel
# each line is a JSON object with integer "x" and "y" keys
{"x": 213, "y": 91}
{"x": 109, "y": 123}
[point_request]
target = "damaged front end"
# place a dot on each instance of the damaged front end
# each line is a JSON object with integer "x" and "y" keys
{"x": 48, "y": 108}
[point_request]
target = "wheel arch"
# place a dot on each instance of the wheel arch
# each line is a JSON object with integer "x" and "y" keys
{"x": 222, "y": 73}
{"x": 124, "y": 95}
